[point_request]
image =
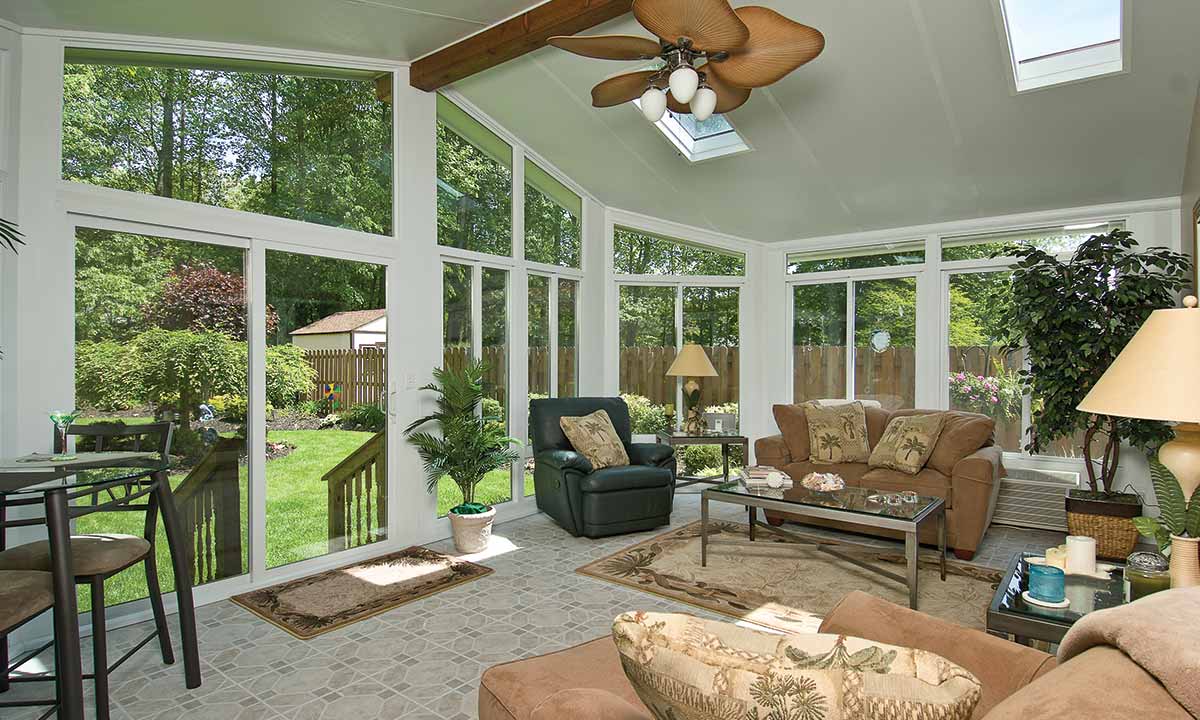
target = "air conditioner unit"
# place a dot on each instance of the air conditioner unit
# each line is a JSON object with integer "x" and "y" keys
{"x": 1034, "y": 498}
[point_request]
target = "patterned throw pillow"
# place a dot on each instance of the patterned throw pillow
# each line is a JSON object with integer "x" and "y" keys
{"x": 837, "y": 433}
{"x": 683, "y": 667}
{"x": 594, "y": 437}
{"x": 907, "y": 443}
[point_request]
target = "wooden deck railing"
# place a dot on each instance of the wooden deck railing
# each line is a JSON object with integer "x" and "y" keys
{"x": 209, "y": 503}
{"x": 357, "y": 495}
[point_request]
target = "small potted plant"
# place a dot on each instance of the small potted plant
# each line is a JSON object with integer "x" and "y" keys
{"x": 1177, "y": 527}
{"x": 469, "y": 446}
{"x": 1072, "y": 318}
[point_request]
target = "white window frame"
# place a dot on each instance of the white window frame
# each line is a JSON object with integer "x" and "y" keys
{"x": 1069, "y": 66}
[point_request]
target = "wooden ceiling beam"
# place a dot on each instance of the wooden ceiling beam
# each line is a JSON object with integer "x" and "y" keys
{"x": 511, "y": 39}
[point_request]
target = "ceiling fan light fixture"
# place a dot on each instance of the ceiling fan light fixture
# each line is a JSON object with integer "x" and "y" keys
{"x": 684, "y": 81}
{"x": 704, "y": 103}
{"x": 654, "y": 104}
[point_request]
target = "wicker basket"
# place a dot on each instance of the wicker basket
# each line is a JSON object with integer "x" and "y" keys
{"x": 1116, "y": 537}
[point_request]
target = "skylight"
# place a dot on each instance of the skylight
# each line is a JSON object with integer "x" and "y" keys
{"x": 697, "y": 141}
{"x": 1064, "y": 41}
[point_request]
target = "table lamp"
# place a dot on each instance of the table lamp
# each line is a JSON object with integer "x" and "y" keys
{"x": 1155, "y": 378}
{"x": 692, "y": 363}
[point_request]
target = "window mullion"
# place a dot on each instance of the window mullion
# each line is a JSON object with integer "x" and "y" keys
{"x": 851, "y": 351}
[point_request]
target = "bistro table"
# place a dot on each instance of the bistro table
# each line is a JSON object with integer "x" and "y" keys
{"x": 116, "y": 479}
{"x": 680, "y": 438}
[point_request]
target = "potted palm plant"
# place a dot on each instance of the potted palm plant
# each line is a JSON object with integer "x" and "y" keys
{"x": 469, "y": 446}
{"x": 1177, "y": 528}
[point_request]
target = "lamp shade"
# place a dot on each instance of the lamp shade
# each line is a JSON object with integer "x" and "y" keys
{"x": 1155, "y": 377}
{"x": 692, "y": 362}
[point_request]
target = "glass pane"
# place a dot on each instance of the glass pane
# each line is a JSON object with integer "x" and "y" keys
{"x": 1037, "y": 28}
{"x": 496, "y": 486}
{"x": 710, "y": 319}
{"x": 553, "y": 229}
{"x": 818, "y": 342}
{"x": 983, "y": 378}
{"x": 327, "y": 405}
{"x": 160, "y": 335}
{"x": 568, "y": 358}
{"x": 1056, "y": 240}
{"x": 640, "y": 253}
{"x": 266, "y": 138}
{"x": 474, "y": 184}
{"x": 880, "y": 256}
{"x": 539, "y": 336}
{"x": 885, "y": 333}
{"x": 648, "y": 347}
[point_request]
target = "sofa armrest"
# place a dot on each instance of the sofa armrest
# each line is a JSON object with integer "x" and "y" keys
{"x": 587, "y": 704}
{"x": 772, "y": 451}
{"x": 650, "y": 453}
{"x": 1002, "y": 667}
{"x": 975, "y": 484}
{"x": 563, "y": 460}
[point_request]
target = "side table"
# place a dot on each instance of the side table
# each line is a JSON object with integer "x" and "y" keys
{"x": 679, "y": 438}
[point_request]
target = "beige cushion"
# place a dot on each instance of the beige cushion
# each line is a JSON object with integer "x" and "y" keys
{"x": 90, "y": 554}
{"x": 594, "y": 437}
{"x": 685, "y": 667}
{"x": 907, "y": 443}
{"x": 962, "y": 434}
{"x": 23, "y": 594}
{"x": 793, "y": 426}
{"x": 837, "y": 434}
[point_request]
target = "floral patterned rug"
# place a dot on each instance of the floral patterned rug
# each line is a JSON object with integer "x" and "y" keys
{"x": 787, "y": 588}
{"x": 316, "y": 604}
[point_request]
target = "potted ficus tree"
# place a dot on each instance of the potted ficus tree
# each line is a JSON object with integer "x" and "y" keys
{"x": 1072, "y": 318}
{"x": 469, "y": 446}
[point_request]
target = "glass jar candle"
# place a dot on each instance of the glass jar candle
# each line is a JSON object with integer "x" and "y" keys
{"x": 1047, "y": 583}
{"x": 1146, "y": 573}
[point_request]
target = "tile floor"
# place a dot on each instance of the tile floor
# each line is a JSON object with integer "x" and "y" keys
{"x": 422, "y": 660}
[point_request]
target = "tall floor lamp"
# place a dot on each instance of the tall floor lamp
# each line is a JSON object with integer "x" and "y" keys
{"x": 692, "y": 363}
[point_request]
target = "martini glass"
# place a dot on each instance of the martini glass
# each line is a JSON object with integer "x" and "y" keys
{"x": 62, "y": 420}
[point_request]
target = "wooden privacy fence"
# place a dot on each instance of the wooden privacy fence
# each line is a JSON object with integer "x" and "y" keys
{"x": 209, "y": 502}
{"x": 644, "y": 372}
{"x": 356, "y": 492}
{"x": 362, "y": 374}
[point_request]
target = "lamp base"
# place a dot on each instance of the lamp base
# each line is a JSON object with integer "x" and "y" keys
{"x": 694, "y": 423}
{"x": 1182, "y": 457}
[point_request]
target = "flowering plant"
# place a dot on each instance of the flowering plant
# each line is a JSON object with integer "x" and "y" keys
{"x": 997, "y": 396}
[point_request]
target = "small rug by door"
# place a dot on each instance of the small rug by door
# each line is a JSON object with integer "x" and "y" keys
{"x": 787, "y": 589}
{"x": 316, "y": 604}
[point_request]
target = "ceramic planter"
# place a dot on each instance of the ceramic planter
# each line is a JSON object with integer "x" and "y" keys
{"x": 1185, "y": 561}
{"x": 472, "y": 532}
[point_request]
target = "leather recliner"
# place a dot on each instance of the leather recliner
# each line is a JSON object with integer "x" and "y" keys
{"x": 609, "y": 501}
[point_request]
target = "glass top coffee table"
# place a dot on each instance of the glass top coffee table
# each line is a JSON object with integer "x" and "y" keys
{"x": 856, "y": 506}
{"x": 1010, "y": 615}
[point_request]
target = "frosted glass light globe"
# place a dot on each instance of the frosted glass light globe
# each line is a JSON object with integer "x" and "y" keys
{"x": 684, "y": 82}
{"x": 703, "y": 104}
{"x": 654, "y": 104}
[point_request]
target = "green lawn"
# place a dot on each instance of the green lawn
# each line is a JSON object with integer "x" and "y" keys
{"x": 495, "y": 488}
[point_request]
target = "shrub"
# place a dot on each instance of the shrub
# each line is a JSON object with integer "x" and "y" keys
{"x": 108, "y": 375}
{"x": 202, "y": 298}
{"x": 646, "y": 417}
{"x": 998, "y": 396}
{"x": 289, "y": 375}
{"x": 231, "y": 408}
{"x": 365, "y": 417}
{"x": 182, "y": 369}
{"x": 698, "y": 458}
{"x": 312, "y": 408}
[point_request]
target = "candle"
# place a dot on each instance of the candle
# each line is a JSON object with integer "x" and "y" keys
{"x": 1081, "y": 555}
{"x": 1057, "y": 557}
{"x": 1046, "y": 583}
{"x": 1146, "y": 573}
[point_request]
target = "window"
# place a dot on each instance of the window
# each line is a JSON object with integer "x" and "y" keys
{"x": 818, "y": 341}
{"x": 567, "y": 361}
{"x": 268, "y": 138}
{"x": 909, "y": 253}
{"x": 697, "y": 141}
{"x": 710, "y": 320}
{"x": 636, "y": 252}
{"x": 553, "y": 220}
{"x": 648, "y": 346}
{"x": 1058, "y": 42}
{"x": 552, "y": 361}
{"x": 1059, "y": 239}
{"x": 474, "y": 183}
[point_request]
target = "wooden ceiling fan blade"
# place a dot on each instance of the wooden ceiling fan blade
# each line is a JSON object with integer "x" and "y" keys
{"x": 776, "y": 47}
{"x": 729, "y": 97}
{"x": 621, "y": 88}
{"x": 608, "y": 47}
{"x": 712, "y": 25}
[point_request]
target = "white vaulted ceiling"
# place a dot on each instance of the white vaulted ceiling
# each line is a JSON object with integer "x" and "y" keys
{"x": 907, "y": 117}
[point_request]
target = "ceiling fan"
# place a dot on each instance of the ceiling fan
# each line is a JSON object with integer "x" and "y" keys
{"x": 741, "y": 49}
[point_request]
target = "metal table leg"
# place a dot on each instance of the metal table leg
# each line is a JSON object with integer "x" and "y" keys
{"x": 703, "y": 531}
{"x": 942, "y": 541}
{"x": 183, "y": 579}
{"x": 753, "y": 520}
{"x": 68, "y": 665}
{"x": 910, "y": 558}
{"x": 725, "y": 461}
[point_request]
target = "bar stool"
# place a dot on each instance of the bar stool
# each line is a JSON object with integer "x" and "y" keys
{"x": 23, "y": 596}
{"x": 98, "y": 557}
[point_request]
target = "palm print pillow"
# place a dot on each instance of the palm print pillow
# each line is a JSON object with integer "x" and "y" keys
{"x": 594, "y": 437}
{"x": 837, "y": 433}
{"x": 907, "y": 443}
{"x": 686, "y": 668}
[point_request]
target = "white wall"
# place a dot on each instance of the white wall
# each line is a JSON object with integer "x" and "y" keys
{"x": 322, "y": 341}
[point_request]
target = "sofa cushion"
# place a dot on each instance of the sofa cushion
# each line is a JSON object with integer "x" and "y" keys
{"x": 962, "y": 434}
{"x": 852, "y": 473}
{"x": 684, "y": 666}
{"x": 907, "y": 442}
{"x": 837, "y": 434}
{"x": 594, "y": 437}
{"x": 877, "y": 420}
{"x": 626, "y": 477}
{"x": 927, "y": 482}
{"x": 793, "y": 425}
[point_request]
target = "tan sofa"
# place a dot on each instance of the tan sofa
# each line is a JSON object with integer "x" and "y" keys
{"x": 1019, "y": 683}
{"x": 964, "y": 470}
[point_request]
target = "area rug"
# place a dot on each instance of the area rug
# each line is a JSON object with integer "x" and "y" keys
{"x": 787, "y": 588}
{"x": 316, "y": 604}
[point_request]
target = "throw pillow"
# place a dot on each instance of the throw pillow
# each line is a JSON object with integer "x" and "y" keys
{"x": 685, "y": 667}
{"x": 793, "y": 426}
{"x": 594, "y": 437}
{"x": 907, "y": 443}
{"x": 837, "y": 434}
